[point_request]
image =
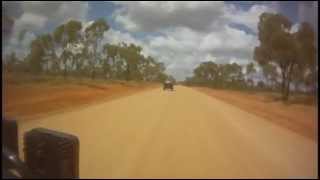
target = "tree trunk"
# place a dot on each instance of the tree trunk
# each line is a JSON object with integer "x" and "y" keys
{"x": 92, "y": 74}
{"x": 65, "y": 73}
{"x": 283, "y": 87}
{"x": 287, "y": 81}
{"x": 286, "y": 91}
{"x": 94, "y": 61}
{"x": 128, "y": 73}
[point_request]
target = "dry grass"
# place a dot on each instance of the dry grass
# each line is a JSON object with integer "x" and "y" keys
{"x": 298, "y": 115}
{"x": 29, "y": 97}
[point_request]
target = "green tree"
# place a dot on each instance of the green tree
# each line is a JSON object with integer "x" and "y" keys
{"x": 93, "y": 35}
{"x": 11, "y": 62}
{"x": 35, "y": 57}
{"x": 277, "y": 45}
{"x": 150, "y": 68}
{"x": 133, "y": 61}
{"x": 307, "y": 71}
{"x": 158, "y": 72}
{"x": 67, "y": 36}
{"x": 261, "y": 85}
{"x": 250, "y": 70}
{"x": 231, "y": 75}
{"x": 207, "y": 73}
{"x": 222, "y": 75}
{"x": 47, "y": 45}
{"x": 109, "y": 62}
{"x": 269, "y": 71}
{"x": 162, "y": 77}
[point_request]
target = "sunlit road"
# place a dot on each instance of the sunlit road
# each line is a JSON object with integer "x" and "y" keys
{"x": 181, "y": 134}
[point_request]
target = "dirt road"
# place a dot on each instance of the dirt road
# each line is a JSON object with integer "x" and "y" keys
{"x": 181, "y": 134}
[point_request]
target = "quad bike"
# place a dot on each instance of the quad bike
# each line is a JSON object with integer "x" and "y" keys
{"x": 47, "y": 153}
{"x": 168, "y": 85}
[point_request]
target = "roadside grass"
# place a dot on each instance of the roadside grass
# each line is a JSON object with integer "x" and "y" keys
{"x": 26, "y": 96}
{"x": 44, "y": 79}
{"x": 299, "y": 114}
{"x": 272, "y": 96}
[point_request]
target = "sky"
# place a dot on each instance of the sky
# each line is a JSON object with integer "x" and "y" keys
{"x": 179, "y": 34}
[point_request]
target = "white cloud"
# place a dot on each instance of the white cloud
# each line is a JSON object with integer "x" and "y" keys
{"x": 209, "y": 57}
{"x": 35, "y": 16}
{"x": 182, "y": 54}
{"x": 31, "y": 21}
{"x": 153, "y": 16}
{"x": 200, "y": 16}
{"x": 72, "y": 10}
{"x": 21, "y": 48}
{"x": 248, "y": 18}
{"x": 184, "y": 42}
{"x": 57, "y": 12}
{"x": 115, "y": 37}
{"x": 188, "y": 33}
{"x": 27, "y": 22}
{"x": 85, "y": 25}
{"x": 294, "y": 28}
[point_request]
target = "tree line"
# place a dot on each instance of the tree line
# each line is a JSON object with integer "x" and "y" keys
{"x": 230, "y": 76}
{"x": 286, "y": 58}
{"x": 72, "y": 50}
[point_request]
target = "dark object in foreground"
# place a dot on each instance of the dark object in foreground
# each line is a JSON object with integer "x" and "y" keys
{"x": 10, "y": 135}
{"x": 48, "y": 154}
{"x": 12, "y": 166}
{"x": 168, "y": 85}
{"x": 60, "y": 149}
